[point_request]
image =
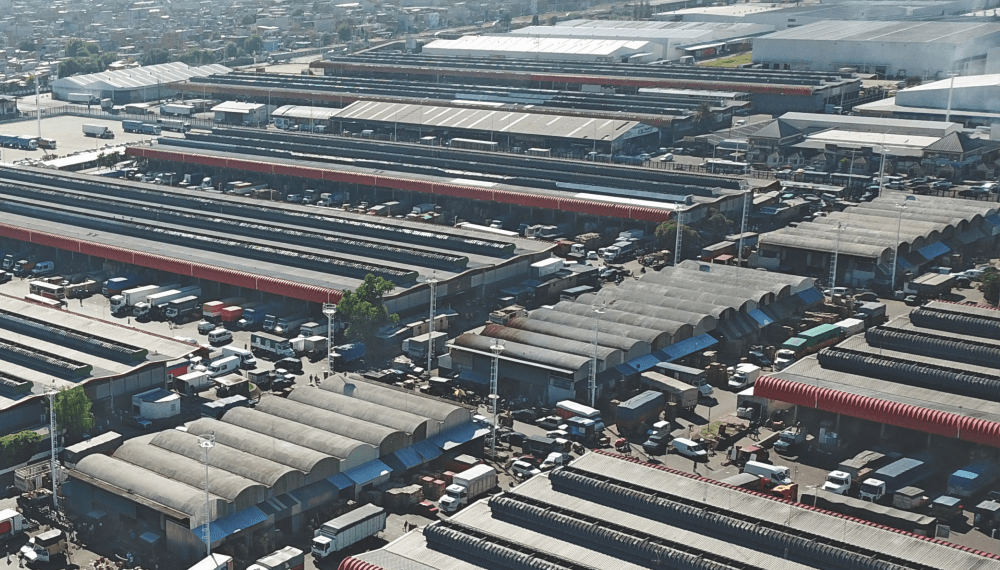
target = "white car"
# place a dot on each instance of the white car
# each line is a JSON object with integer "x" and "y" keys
{"x": 558, "y": 433}
{"x": 524, "y": 469}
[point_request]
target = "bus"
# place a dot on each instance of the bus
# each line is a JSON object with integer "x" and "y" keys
{"x": 720, "y": 166}
{"x": 47, "y": 290}
{"x": 43, "y": 301}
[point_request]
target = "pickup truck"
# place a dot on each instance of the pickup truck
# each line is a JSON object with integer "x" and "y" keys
{"x": 792, "y": 440}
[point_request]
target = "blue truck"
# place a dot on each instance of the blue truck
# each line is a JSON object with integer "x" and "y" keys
{"x": 130, "y": 126}
{"x": 898, "y": 474}
{"x": 24, "y": 142}
{"x": 634, "y": 415}
{"x": 972, "y": 479}
{"x": 349, "y": 352}
{"x": 253, "y": 317}
{"x": 115, "y": 285}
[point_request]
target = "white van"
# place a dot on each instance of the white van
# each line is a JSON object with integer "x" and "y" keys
{"x": 689, "y": 448}
{"x": 777, "y": 473}
{"x": 246, "y": 357}
{"x": 43, "y": 268}
{"x": 219, "y": 336}
{"x": 224, "y": 366}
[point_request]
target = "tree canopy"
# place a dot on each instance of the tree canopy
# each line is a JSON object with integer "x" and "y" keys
{"x": 155, "y": 56}
{"x": 72, "y": 409}
{"x": 991, "y": 286}
{"x": 344, "y": 32}
{"x": 364, "y": 308}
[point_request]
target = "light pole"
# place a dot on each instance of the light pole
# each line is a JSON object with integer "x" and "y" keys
{"x": 677, "y": 238}
{"x": 951, "y": 88}
{"x": 268, "y": 110}
{"x": 747, "y": 192}
{"x": 599, "y": 310}
{"x": 895, "y": 253}
{"x": 207, "y": 442}
{"x": 330, "y": 310}
{"x": 833, "y": 260}
{"x": 53, "y": 464}
{"x": 497, "y": 348}
{"x": 430, "y": 323}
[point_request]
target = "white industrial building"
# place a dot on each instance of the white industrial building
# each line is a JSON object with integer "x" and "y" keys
{"x": 550, "y": 49}
{"x": 974, "y": 101}
{"x": 673, "y": 38}
{"x": 889, "y": 49}
{"x": 136, "y": 85}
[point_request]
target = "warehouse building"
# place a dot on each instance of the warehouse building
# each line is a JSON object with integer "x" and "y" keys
{"x": 548, "y": 49}
{"x": 973, "y": 101}
{"x": 238, "y": 113}
{"x": 925, "y": 230}
{"x": 663, "y": 317}
{"x": 42, "y": 347}
{"x": 609, "y": 511}
{"x": 930, "y": 376}
{"x": 271, "y": 469}
{"x": 928, "y": 50}
{"x": 136, "y": 85}
{"x": 674, "y": 40}
{"x": 773, "y": 91}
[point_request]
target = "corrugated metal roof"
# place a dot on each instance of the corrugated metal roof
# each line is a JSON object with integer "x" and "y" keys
{"x": 427, "y": 450}
{"x": 368, "y": 472}
{"x": 934, "y": 250}
{"x": 221, "y": 528}
{"x": 341, "y": 481}
{"x": 761, "y": 318}
{"x": 457, "y": 436}
{"x": 409, "y": 457}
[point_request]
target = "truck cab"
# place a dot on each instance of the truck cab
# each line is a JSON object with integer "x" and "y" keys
{"x": 837, "y": 482}
{"x": 791, "y": 440}
{"x": 456, "y": 496}
{"x": 744, "y": 376}
{"x": 783, "y": 358}
{"x": 872, "y": 490}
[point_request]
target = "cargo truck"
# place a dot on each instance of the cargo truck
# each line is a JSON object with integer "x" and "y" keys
{"x": 693, "y": 376}
{"x": 312, "y": 347}
{"x": 44, "y": 547}
{"x": 83, "y": 289}
{"x": 468, "y": 486}
{"x": 636, "y": 414}
{"x": 972, "y": 479}
{"x": 682, "y": 394}
{"x": 252, "y": 318}
{"x": 191, "y": 180}
{"x": 115, "y": 285}
{"x": 154, "y": 305}
{"x": 214, "y": 561}
{"x": 313, "y": 329}
{"x": 744, "y": 376}
{"x": 883, "y": 515}
{"x": 193, "y": 382}
{"x": 11, "y": 525}
{"x": 176, "y": 109}
{"x": 130, "y": 297}
{"x": 288, "y": 558}
{"x": 337, "y": 534}
{"x": 851, "y": 472}
{"x": 289, "y": 326}
{"x": 212, "y": 310}
{"x": 83, "y": 98}
{"x": 183, "y": 309}
{"x": 898, "y": 474}
{"x": 349, "y": 352}
{"x": 99, "y": 131}
{"x": 270, "y": 345}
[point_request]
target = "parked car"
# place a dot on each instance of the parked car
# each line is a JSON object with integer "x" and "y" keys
{"x": 973, "y": 193}
{"x": 942, "y": 185}
{"x": 293, "y": 365}
{"x": 524, "y": 470}
{"x": 205, "y": 327}
{"x": 527, "y": 415}
{"x": 867, "y": 296}
{"x": 550, "y": 422}
{"x": 912, "y": 300}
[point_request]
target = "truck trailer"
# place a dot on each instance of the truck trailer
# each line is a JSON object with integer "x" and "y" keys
{"x": 337, "y": 534}
{"x": 636, "y": 414}
{"x": 468, "y": 486}
{"x": 898, "y": 474}
{"x": 130, "y": 297}
{"x": 154, "y": 305}
{"x": 99, "y": 131}
{"x": 288, "y": 558}
{"x": 972, "y": 479}
{"x": 183, "y": 309}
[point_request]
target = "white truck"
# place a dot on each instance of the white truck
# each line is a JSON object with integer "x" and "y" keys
{"x": 468, "y": 486}
{"x": 744, "y": 376}
{"x": 11, "y": 524}
{"x": 288, "y": 558}
{"x": 193, "y": 382}
{"x": 177, "y": 109}
{"x": 83, "y": 98}
{"x": 130, "y": 297}
{"x": 837, "y": 482}
{"x": 154, "y": 303}
{"x": 345, "y": 530}
{"x": 44, "y": 547}
{"x": 99, "y": 131}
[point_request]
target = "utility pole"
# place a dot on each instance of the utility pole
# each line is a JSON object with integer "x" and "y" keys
{"x": 599, "y": 310}
{"x": 747, "y": 192}
{"x": 677, "y": 238}
{"x": 497, "y": 348}
{"x": 207, "y": 442}
{"x": 430, "y": 323}
{"x": 53, "y": 438}
{"x": 330, "y": 310}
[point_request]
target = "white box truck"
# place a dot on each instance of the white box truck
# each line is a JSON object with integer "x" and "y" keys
{"x": 468, "y": 486}
{"x": 345, "y": 530}
{"x": 154, "y": 303}
{"x": 288, "y": 558}
{"x": 99, "y": 131}
{"x": 11, "y": 524}
{"x": 132, "y": 296}
{"x": 744, "y": 376}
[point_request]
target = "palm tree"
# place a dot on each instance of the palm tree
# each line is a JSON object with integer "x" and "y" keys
{"x": 703, "y": 112}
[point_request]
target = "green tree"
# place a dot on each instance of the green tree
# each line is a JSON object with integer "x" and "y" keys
{"x": 248, "y": 20}
{"x": 231, "y": 50}
{"x": 26, "y": 45}
{"x": 666, "y": 236}
{"x": 69, "y": 67}
{"x": 327, "y": 38}
{"x": 534, "y": 20}
{"x": 92, "y": 49}
{"x": 365, "y": 309}
{"x": 155, "y": 56}
{"x": 703, "y": 112}
{"x": 298, "y": 13}
{"x": 254, "y": 44}
{"x": 74, "y": 46}
{"x": 991, "y": 286}
{"x": 344, "y": 32}
{"x": 553, "y": 20}
{"x": 17, "y": 447}
{"x": 72, "y": 409}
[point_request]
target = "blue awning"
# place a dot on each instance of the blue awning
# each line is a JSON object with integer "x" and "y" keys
{"x": 760, "y": 317}
{"x": 640, "y": 364}
{"x": 226, "y": 526}
{"x": 993, "y": 219}
{"x": 810, "y": 296}
{"x": 934, "y": 250}
{"x": 368, "y": 472}
{"x": 474, "y": 377}
{"x": 408, "y": 457}
{"x": 458, "y": 435}
{"x": 903, "y": 263}
{"x": 314, "y": 495}
{"x": 427, "y": 450}
{"x": 685, "y": 347}
{"x": 341, "y": 481}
